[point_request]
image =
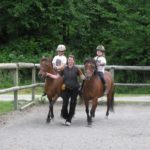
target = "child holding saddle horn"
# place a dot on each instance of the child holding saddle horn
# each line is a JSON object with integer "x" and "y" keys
{"x": 70, "y": 75}
{"x": 100, "y": 63}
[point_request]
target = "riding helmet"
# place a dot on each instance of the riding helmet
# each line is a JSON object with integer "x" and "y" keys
{"x": 61, "y": 48}
{"x": 100, "y": 48}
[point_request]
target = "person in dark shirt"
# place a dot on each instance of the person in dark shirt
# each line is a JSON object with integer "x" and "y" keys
{"x": 70, "y": 75}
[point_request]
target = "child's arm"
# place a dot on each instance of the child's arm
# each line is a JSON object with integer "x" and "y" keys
{"x": 102, "y": 64}
{"x": 81, "y": 74}
{"x": 53, "y": 75}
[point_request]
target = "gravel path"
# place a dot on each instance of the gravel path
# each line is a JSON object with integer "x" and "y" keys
{"x": 126, "y": 129}
{"x": 125, "y": 98}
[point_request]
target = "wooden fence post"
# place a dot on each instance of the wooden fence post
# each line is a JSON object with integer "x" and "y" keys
{"x": 33, "y": 82}
{"x": 15, "y": 74}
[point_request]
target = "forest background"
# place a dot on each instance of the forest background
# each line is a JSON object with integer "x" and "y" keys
{"x": 30, "y": 29}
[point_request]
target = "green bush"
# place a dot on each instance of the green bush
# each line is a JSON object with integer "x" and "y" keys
{"x": 6, "y": 79}
{"x": 26, "y": 50}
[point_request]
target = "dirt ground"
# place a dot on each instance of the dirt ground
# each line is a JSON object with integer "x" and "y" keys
{"x": 126, "y": 129}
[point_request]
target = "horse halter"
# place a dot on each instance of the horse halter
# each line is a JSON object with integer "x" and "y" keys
{"x": 90, "y": 68}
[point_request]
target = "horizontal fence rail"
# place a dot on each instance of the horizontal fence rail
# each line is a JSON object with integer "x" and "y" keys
{"x": 16, "y": 88}
{"x": 14, "y": 67}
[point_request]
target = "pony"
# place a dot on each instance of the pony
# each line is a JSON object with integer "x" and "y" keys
{"x": 53, "y": 87}
{"x": 94, "y": 89}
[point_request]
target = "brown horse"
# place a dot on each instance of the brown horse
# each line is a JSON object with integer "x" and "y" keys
{"x": 93, "y": 89}
{"x": 52, "y": 86}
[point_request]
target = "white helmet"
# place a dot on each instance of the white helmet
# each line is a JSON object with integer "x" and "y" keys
{"x": 100, "y": 48}
{"x": 61, "y": 48}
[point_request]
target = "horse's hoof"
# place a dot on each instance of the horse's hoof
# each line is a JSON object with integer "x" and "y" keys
{"x": 89, "y": 123}
{"x": 89, "y": 120}
{"x": 48, "y": 120}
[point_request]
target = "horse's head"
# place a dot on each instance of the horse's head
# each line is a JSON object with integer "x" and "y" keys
{"x": 90, "y": 68}
{"x": 45, "y": 66}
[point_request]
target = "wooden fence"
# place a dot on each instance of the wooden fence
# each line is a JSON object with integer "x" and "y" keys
{"x": 15, "y": 67}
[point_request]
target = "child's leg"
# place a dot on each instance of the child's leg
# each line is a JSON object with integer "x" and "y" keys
{"x": 101, "y": 75}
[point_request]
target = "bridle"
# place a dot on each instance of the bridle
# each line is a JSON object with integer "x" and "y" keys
{"x": 90, "y": 68}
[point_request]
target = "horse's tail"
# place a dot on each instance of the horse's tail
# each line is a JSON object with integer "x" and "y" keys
{"x": 111, "y": 106}
{"x": 43, "y": 100}
{"x": 80, "y": 96}
{"x": 44, "y": 94}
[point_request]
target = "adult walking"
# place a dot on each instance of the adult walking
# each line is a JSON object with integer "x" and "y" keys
{"x": 69, "y": 95}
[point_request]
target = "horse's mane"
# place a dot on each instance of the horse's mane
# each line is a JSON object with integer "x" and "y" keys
{"x": 46, "y": 62}
{"x": 90, "y": 60}
{"x": 46, "y": 58}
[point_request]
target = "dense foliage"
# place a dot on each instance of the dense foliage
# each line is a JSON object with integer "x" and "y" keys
{"x": 32, "y": 28}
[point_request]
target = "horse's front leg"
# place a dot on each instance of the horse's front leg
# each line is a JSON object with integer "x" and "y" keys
{"x": 49, "y": 113}
{"x": 87, "y": 111}
{"x": 51, "y": 107}
{"x": 52, "y": 102}
{"x": 94, "y": 105}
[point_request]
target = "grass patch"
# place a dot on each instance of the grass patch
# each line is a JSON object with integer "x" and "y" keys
{"x": 130, "y": 95}
{"x": 6, "y": 107}
{"x": 132, "y": 90}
